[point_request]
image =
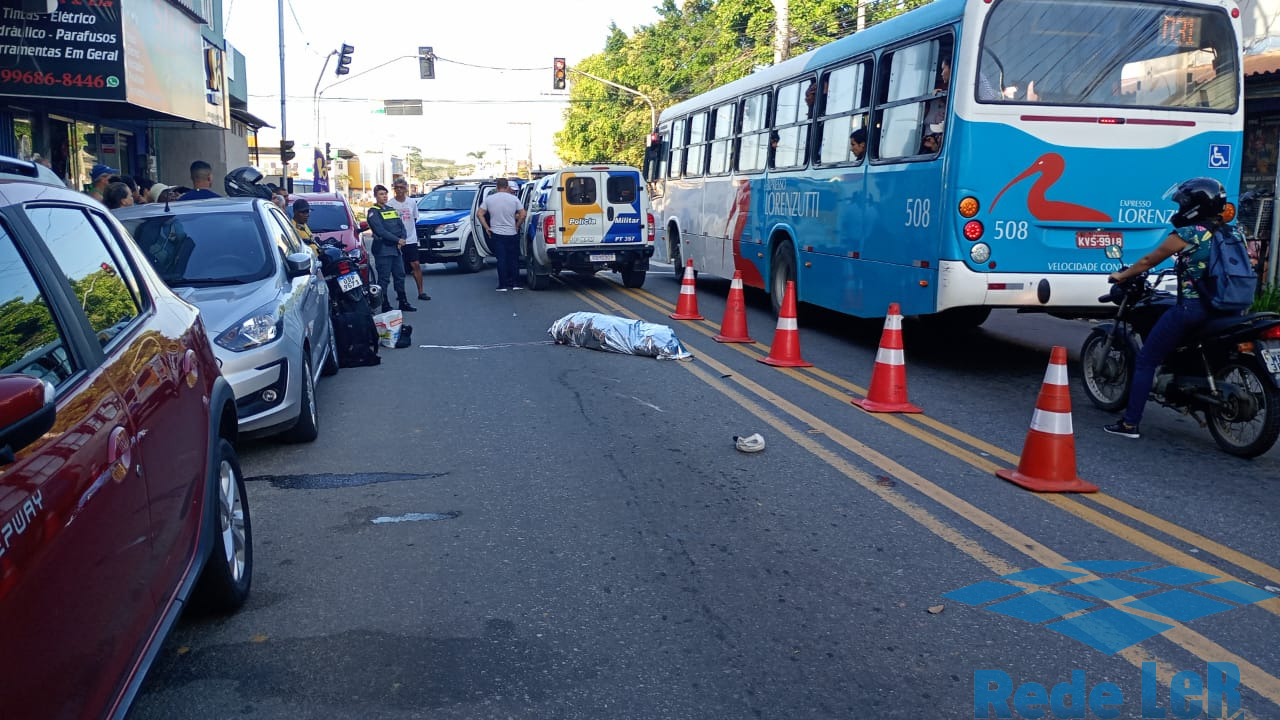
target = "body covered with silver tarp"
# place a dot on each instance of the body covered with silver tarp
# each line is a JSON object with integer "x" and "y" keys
{"x": 596, "y": 331}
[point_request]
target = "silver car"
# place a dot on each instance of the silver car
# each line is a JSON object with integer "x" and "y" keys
{"x": 262, "y": 297}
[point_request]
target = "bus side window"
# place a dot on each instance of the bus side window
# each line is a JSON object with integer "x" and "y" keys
{"x": 914, "y": 108}
{"x": 844, "y": 110}
{"x": 791, "y": 123}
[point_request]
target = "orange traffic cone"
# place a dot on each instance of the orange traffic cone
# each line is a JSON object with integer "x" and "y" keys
{"x": 687, "y": 306}
{"x": 785, "y": 351}
{"x": 1048, "y": 462}
{"x": 733, "y": 329}
{"x": 888, "y": 391}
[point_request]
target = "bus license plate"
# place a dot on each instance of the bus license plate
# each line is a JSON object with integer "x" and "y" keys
{"x": 603, "y": 257}
{"x": 1098, "y": 239}
{"x": 1272, "y": 359}
{"x": 348, "y": 282}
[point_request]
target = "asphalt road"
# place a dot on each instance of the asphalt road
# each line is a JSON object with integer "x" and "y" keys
{"x": 493, "y": 526}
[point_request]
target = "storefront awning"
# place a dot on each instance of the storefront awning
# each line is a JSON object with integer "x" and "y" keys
{"x": 254, "y": 122}
{"x": 1263, "y": 63}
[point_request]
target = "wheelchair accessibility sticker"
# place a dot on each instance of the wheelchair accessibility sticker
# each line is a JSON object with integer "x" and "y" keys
{"x": 1219, "y": 156}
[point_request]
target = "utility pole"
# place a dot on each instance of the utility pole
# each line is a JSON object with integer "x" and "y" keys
{"x": 862, "y": 15}
{"x": 284, "y": 132}
{"x": 782, "y": 31}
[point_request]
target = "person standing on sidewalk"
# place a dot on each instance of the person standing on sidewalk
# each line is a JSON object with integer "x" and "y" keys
{"x": 388, "y": 238}
{"x": 501, "y": 216}
{"x": 408, "y": 209}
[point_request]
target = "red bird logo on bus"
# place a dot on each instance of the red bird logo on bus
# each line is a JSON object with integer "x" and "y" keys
{"x": 1050, "y": 167}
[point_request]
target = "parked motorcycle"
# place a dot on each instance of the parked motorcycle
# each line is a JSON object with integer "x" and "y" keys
{"x": 1226, "y": 374}
{"x": 347, "y": 290}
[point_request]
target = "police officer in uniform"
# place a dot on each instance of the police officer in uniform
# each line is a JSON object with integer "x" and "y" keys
{"x": 388, "y": 238}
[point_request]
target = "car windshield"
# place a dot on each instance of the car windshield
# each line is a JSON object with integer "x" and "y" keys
{"x": 198, "y": 249}
{"x": 327, "y": 217}
{"x": 448, "y": 199}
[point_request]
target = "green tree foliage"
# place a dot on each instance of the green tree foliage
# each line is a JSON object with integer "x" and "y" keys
{"x": 694, "y": 46}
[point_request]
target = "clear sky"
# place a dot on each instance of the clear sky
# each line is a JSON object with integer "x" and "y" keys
{"x": 465, "y": 109}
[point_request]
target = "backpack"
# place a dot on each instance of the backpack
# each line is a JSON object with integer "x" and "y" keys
{"x": 357, "y": 339}
{"x": 1228, "y": 283}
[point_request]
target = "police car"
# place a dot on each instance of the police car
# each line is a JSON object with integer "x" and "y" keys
{"x": 447, "y": 231}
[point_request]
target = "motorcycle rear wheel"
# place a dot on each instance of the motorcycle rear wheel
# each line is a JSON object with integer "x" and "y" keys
{"x": 1236, "y": 435}
{"x": 1106, "y": 380}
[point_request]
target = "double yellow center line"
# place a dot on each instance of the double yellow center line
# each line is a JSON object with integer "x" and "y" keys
{"x": 953, "y": 442}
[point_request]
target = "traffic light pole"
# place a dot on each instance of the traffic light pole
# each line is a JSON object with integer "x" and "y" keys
{"x": 284, "y": 167}
{"x": 315, "y": 94}
{"x": 653, "y": 110}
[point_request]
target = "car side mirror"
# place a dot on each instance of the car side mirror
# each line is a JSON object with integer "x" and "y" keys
{"x": 27, "y": 411}
{"x": 298, "y": 264}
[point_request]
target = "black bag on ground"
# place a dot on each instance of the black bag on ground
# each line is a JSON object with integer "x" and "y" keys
{"x": 404, "y": 340}
{"x": 357, "y": 339}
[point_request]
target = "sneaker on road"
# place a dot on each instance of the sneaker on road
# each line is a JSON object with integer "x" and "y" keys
{"x": 517, "y": 287}
{"x": 1123, "y": 429}
{"x": 423, "y": 296}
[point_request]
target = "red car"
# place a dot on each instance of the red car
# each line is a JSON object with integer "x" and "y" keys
{"x": 332, "y": 218}
{"x": 121, "y": 496}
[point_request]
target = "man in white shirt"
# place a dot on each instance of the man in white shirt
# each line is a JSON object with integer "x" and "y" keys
{"x": 501, "y": 216}
{"x": 408, "y": 209}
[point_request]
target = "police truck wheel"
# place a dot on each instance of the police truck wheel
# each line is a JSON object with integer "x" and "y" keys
{"x": 470, "y": 261}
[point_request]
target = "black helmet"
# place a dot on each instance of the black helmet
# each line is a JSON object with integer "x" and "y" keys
{"x": 330, "y": 255}
{"x": 1200, "y": 201}
{"x": 246, "y": 182}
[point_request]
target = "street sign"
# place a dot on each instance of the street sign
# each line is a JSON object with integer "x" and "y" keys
{"x": 402, "y": 107}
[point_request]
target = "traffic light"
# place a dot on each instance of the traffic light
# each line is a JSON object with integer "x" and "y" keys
{"x": 558, "y": 74}
{"x": 286, "y": 151}
{"x": 344, "y": 60}
{"x": 426, "y": 63}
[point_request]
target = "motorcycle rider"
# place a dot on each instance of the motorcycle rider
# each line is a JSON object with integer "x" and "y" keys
{"x": 301, "y": 214}
{"x": 1200, "y": 204}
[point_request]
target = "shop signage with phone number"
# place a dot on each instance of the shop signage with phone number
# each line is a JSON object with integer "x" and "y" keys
{"x": 77, "y": 51}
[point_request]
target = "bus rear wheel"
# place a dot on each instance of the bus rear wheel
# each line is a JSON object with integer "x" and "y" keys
{"x": 781, "y": 271}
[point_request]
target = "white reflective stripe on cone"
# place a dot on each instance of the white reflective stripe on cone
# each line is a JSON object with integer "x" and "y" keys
{"x": 893, "y": 322}
{"x": 688, "y": 290}
{"x": 885, "y": 356}
{"x": 736, "y": 284}
{"x": 1055, "y": 375}
{"x": 1053, "y": 423}
{"x": 787, "y": 324}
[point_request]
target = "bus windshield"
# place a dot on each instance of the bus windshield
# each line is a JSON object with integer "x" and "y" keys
{"x": 1109, "y": 53}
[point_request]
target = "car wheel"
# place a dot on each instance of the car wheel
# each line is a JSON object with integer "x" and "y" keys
{"x": 330, "y": 367}
{"x": 308, "y": 426}
{"x": 470, "y": 261}
{"x": 228, "y": 571}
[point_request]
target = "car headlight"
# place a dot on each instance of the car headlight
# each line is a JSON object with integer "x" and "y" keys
{"x": 446, "y": 229}
{"x": 259, "y": 328}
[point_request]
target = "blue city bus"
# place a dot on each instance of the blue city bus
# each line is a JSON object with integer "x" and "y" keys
{"x": 1007, "y": 144}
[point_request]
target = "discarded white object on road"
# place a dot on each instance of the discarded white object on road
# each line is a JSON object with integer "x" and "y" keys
{"x": 749, "y": 444}
{"x": 609, "y": 333}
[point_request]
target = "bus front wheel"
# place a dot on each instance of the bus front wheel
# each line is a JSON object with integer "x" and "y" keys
{"x": 782, "y": 270}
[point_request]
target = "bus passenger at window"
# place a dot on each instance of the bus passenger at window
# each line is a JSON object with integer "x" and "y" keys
{"x": 858, "y": 144}
{"x": 931, "y": 144}
{"x": 811, "y": 95}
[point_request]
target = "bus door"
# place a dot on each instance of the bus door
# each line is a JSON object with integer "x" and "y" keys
{"x": 907, "y": 146}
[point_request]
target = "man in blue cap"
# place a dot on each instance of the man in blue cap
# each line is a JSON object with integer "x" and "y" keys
{"x": 100, "y": 176}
